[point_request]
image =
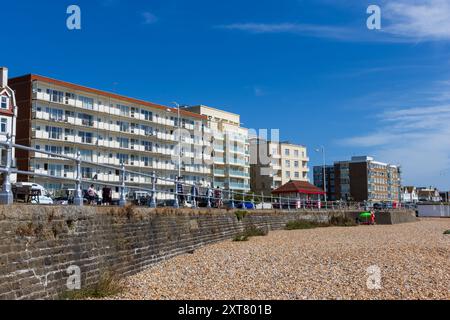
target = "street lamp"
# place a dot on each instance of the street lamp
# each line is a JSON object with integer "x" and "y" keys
{"x": 179, "y": 137}
{"x": 322, "y": 148}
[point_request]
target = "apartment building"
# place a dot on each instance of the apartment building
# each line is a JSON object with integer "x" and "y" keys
{"x": 374, "y": 181}
{"x": 274, "y": 164}
{"x": 230, "y": 148}
{"x": 330, "y": 178}
{"x": 106, "y": 128}
{"x": 364, "y": 179}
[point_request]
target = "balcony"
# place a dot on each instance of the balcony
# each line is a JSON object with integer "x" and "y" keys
{"x": 219, "y": 160}
{"x": 239, "y": 186}
{"x": 219, "y": 172}
{"x": 237, "y": 162}
{"x": 237, "y": 173}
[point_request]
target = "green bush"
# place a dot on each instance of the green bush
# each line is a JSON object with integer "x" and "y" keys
{"x": 447, "y": 232}
{"x": 337, "y": 221}
{"x": 107, "y": 286}
{"x": 240, "y": 214}
{"x": 252, "y": 231}
{"x": 304, "y": 224}
{"x": 342, "y": 221}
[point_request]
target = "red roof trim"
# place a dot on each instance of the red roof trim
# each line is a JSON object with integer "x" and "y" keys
{"x": 111, "y": 95}
{"x": 302, "y": 187}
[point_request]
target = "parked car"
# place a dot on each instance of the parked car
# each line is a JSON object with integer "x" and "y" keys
{"x": 171, "y": 204}
{"x": 32, "y": 193}
{"x": 247, "y": 205}
{"x": 139, "y": 198}
{"x": 264, "y": 206}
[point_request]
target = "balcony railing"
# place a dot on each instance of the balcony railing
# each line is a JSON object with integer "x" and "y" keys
{"x": 183, "y": 193}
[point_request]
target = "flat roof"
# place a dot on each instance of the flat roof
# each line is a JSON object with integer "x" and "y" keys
{"x": 70, "y": 85}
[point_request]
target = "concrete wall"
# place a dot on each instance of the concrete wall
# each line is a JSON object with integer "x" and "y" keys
{"x": 430, "y": 210}
{"x": 39, "y": 243}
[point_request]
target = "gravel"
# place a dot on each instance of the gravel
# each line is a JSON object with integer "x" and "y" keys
{"x": 325, "y": 263}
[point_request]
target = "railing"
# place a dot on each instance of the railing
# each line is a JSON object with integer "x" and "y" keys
{"x": 184, "y": 194}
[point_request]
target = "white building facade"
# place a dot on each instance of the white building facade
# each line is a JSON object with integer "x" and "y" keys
{"x": 108, "y": 129}
{"x": 230, "y": 146}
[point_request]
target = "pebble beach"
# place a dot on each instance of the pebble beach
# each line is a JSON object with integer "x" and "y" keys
{"x": 413, "y": 261}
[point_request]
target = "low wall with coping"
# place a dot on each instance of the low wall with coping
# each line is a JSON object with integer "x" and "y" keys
{"x": 39, "y": 243}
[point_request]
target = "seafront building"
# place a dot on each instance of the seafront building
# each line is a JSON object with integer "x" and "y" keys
{"x": 276, "y": 163}
{"x": 230, "y": 148}
{"x": 106, "y": 128}
{"x": 362, "y": 179}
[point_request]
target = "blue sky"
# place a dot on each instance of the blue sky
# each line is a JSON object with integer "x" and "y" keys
{"x": 310, "y": 68}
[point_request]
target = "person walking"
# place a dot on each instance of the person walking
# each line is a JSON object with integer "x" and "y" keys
{"x": 180, "y": 192}
{"x": 106, "y": 196}
{"x": 91, "y": 194}
{"x": 194, "y": 195}
{"x": 218, "y": 197}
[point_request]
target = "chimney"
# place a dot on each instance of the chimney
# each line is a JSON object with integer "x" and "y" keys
{"x": 3, "y": 77}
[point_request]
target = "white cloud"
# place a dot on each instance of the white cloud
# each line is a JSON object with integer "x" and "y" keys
{"x": 402, "y": 21}
{"x": 335, "y": 32}
{"x": 149, "y": 18}
{"x": 419, "y": 19}
{"x": 416, "y": 138}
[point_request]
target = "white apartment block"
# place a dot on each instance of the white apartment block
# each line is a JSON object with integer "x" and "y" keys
{"x": 277, "y": 163}
{"x": 230, "y": 144}
{"x": 109, "y": 129}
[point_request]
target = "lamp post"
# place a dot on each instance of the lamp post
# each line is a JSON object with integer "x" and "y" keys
{"x": 322, "y": 148}
{"x": 179, "y": 137}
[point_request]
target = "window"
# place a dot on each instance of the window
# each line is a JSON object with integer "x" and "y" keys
{"x": 86, "y": 155}
{"x": 70, "y": 96}
{"x": 123, "y": 142}
{"x": 56, "y": 96}
{"x": 68, "y": 133}
{"x": 147, "y": 115}
{"x": 86, "y": 173}
{"x": 69, "y": 114}
{"x": 3, "y": 125}
{"x": 55, "y": 114}
{"x": 4, "y": 102}
{"x": 296, "y": 164}
{"x": 123, "y": 126}
{"x": 55, "y": 169}
{"x": 53, "y": 149}
{"x": 124, "y": 110}
{"x": 86, "y": 119}
{"x": 86, "y": 137}
{"x": 123, "y": 158}
{"x": 87, "y": 103}
{"x": 288, "y": 163}
{"x": 297, "y": 175}
{"x": 287, "y": 152}
{"x": 296, "y": 153}
{"x": 148, "y": 131}
{"x": 147, "y": 145}
{"x": 288, "y": 174}
{"x": 54, "y": 132}
{"x": 147, "y": 161}
{"x": 69, "y": 151}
